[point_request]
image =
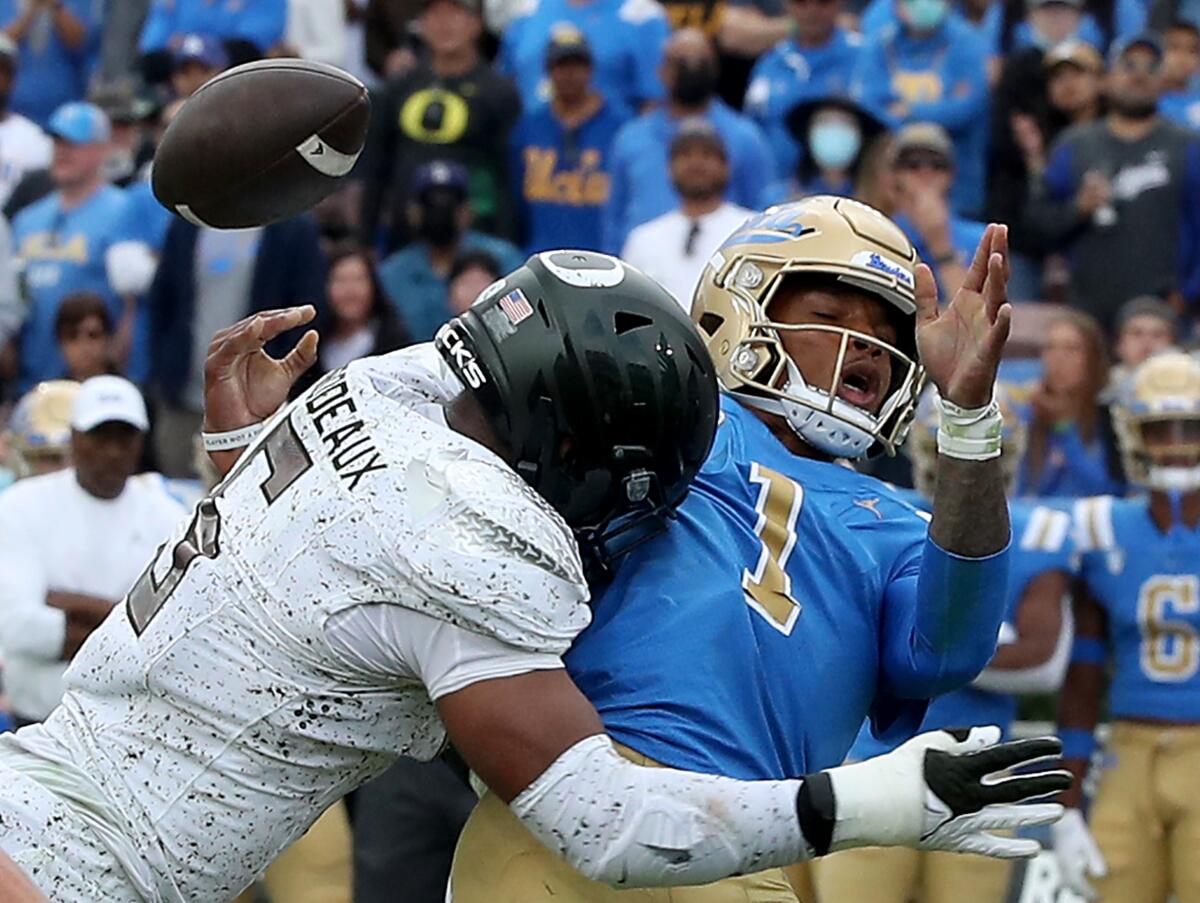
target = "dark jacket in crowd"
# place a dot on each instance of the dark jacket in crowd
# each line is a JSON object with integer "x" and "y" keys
{"x": 289, "y": 269}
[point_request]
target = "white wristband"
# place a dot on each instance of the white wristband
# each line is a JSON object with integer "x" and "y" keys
{"x": 233, "y": 439}
{"x": 969, "y": 434}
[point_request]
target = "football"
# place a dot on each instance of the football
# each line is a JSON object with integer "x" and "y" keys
{"x": 262, "y": 142}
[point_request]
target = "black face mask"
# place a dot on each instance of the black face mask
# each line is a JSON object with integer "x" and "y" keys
{"x": 439, "y": 224}
{"x": 695, "y": 83}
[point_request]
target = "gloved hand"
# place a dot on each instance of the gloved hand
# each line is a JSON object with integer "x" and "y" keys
{"x": 939, "y": 791}
{"x": 1079, "y": 857}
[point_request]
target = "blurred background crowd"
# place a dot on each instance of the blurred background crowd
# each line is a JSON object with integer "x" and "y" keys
{"x": 505, "y": 127}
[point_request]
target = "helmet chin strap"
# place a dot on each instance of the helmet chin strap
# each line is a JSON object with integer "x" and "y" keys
{"x": 824, "y": 431}
{"x": 1173, "y": 479}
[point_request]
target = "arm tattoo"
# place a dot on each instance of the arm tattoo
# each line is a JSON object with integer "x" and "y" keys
{"x": 970, "y": 512}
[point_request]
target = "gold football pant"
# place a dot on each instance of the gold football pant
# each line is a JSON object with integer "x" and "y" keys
{"x": 316, "y": 868}
{"x": 499, "y": 861}
{"x": 1146, "y": 815}
{"x": 902, "y": 875}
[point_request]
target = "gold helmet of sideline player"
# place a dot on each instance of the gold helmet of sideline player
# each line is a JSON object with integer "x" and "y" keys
{"x": 39, "y": 432}
{"x": 921, "y": 447}
{"x": 1156, "y": 417}
{"x": 832, "y": 237}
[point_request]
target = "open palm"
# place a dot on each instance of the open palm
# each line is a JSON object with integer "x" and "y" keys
{"x": 961, "y": 345}
{"x": 242, "y": 383}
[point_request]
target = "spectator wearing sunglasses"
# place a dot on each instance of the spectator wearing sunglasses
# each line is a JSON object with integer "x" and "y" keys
{"x": 923, "y": 171}
{"x": 816, "y": 60}
{"x": 932, "y": 67}
{"x": 1118, "y": 195}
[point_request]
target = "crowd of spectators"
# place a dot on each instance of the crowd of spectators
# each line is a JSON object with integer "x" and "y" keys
{"x": 502, "y": 128}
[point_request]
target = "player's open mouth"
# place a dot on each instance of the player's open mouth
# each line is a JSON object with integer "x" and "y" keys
{"x": 860, "y": 385}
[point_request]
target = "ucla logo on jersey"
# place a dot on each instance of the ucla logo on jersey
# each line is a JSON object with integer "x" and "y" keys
{"x": 873, "y": 260}
{"x": 775, "y": 224}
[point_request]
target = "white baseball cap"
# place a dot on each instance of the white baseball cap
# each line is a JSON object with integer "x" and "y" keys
{"x": 102, "y": 399}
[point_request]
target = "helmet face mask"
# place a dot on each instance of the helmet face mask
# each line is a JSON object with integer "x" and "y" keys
{"x": 1157, "y": 422}
{"x": 833, "y": 241}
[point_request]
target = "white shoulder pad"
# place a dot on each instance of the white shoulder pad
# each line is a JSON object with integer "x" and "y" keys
{"x": 1092, "y": 525}
{"x": 637, "y": 12}
{"x": 1046, "y": 531}
{"x": 414, "y": 374}
{"x": 490, "y": 555}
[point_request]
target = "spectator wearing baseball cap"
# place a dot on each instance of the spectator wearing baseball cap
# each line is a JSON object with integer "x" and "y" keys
{"x": 24, "y": 146}
{"x": 1118, "y": 194}
{"x": 674, "y": 248}
{"x": 923, "y": 171}
{"x": 56, "y": 44}
{"x": 560, "y": 151}
{"x": 439, "y": 216}
{"x": 246, "y": 30}
{"x": 453, "y": 106}
{"x": 63, "y": 238}
{"x": 627, "y": 40}
{"x": 195, "y": 59}
{"x": 73, "y": 542}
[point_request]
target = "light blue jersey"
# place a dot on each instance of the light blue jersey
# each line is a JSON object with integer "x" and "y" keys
{"x": 1042, "y": 543}
{"x": 63, "y": 252}
{"x": 787, "y": 600}
{"x": 1148, "y": 583}
{"x": 626, "y": 38}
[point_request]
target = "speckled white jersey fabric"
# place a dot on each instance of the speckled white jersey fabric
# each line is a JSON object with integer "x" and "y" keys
{"x": 211, "y": 712}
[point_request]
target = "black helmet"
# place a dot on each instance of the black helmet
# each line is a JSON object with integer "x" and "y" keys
{"x": 595, "y": 378}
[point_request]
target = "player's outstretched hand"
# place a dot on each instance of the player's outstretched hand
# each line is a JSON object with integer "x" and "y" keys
{"x": 1079, "y": 857}
{"x": 15, "y": 886}
{"x": 961, "y": 345}
{"x": 948, "y": 790}
{"x": 242, "y": 383}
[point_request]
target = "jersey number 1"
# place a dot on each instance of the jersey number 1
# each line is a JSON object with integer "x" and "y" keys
{"x": 287, "y": 461}
{"x": 768, "y": 587}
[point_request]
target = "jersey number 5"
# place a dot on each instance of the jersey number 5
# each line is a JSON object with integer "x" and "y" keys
{"x": 287, "y": 460}
{"x": 768, "y": 587}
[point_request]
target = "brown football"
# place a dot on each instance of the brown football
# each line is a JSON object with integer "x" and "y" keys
{"x": 260, "y": 143}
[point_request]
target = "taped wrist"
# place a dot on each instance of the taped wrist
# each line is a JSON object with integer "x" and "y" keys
{"x": 969, "y": 434}
{"x": 631, "y": 826}
{"x": 817, "y": 811}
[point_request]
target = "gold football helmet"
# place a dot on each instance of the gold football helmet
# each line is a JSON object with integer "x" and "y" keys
{"x": 921, "y": 446}
{"x": 39, "y": 433}
{"x": 1157, "y": 421}
{"x": 833, "y": 237}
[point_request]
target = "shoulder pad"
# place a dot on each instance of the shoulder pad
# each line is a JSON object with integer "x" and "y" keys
{"x": 1092, "y": 527}
{"x": 1046, "y": 531}
{"x": 489, "y": 554}
{"x": 637, "y": 12}
{"x": 416, "y": 373}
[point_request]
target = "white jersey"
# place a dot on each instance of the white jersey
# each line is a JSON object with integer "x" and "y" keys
{"x": 214, "y": 712}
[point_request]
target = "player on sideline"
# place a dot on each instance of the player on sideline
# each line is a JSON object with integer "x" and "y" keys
{"x": 792, "y": 597}
{"x": 1137, "y": 622}
{"x": 373, "y": 562}
{"x": 1035, "y": 643}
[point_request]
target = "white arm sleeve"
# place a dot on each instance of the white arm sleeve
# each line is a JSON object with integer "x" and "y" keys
{"x": 394, "y": 641}
{"x": 628, "y": 825}
{"x": 1044, "y": 678}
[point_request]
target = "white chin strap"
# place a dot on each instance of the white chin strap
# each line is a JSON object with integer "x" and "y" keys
{"x": 840, "y": 429}
{"x": 1182, "y": 479}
